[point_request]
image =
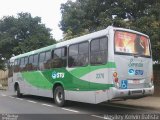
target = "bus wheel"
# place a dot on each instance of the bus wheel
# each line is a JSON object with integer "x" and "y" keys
{"x": 18, "y": 92}
{"x": 59, "y": 96}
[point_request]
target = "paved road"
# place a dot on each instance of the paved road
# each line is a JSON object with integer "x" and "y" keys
{"x": 40, "y": 108}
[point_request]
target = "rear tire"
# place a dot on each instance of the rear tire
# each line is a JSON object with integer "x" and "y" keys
{"x": 59, "y": 96}
{"x": 18, "y": 92}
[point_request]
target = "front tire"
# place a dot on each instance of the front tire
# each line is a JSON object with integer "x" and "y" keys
{"x": 59, "y": 96}
{"x": 18, "y": 92}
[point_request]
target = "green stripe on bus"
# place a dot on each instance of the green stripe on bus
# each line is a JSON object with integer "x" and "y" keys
{"x": 44, "y": 80}
{"x": 37, "y": 79}
{"x": 81, "y": 71}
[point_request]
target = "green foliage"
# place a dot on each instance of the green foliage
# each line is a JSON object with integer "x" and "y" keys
{"x": 22, "y": 34}
{"x": 156, "y": 67}
{"x": 92, "y": 15}
{"x": 2, "y": 66}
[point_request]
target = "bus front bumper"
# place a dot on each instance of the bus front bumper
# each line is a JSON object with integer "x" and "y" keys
{"x": 132, "y": 93}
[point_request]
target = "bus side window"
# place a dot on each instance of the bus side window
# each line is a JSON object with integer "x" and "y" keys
{"x": 47, "y": 60}
{"x": 78, "y": 54}
{"x": 30, "y": 63}
{"x": 72, "y": 55}
{"x": 59, "y": 57}
{"x": 83, "y": 56}
{"x": 56, "y": 58}
{"x": 64, "y": 56}
{"x": 41, "y": 60}
{"x": 10, "y": 69}
{"x": 16, "y": 65}
{"x": 25, "y": 63}
{"x": 44, "y": 60}
{"x": 48, "y": 55}
{"x": 98, "y": 51}
{"x": 35, "y": 62}
{"x": 22, "y": 64}
{"x": 41, "y": 57}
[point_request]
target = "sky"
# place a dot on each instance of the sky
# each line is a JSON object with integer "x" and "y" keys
{"x": 48, "y": 10}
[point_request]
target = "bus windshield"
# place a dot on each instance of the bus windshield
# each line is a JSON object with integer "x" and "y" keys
{"x": 131, "y": 43}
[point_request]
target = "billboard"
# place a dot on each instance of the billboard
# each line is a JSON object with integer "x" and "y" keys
{"x": 126, "y": 42}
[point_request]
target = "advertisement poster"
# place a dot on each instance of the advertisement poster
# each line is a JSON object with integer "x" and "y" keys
{"x": 126, "y": 42}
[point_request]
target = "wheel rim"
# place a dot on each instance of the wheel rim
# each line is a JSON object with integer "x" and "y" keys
{"x": 59, "y": 96}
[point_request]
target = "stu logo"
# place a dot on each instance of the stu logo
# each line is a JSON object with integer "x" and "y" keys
{"x": 56, "y": 75}
{"x": 131, "y": 71}
{"x": 135, "y": 72}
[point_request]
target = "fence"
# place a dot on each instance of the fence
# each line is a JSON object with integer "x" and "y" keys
{"x": 3, "y": 79}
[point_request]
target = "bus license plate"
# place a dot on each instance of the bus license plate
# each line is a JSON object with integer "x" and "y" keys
{"x": 136, "y": 82}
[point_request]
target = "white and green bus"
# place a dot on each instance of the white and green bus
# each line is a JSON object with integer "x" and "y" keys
{"x": 101, "y": 66}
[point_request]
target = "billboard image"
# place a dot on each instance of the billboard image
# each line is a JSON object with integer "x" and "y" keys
{"x": 126, "y": 42}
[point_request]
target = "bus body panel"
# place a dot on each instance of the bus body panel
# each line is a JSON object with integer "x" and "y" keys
{"x": 97, "y": 90}
{"x": 134, "y": 72}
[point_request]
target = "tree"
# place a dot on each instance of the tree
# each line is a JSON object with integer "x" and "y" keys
{"x": 22, "y": 34}
{"x": 1, "y": 63}
{"x": 93, "y": 15}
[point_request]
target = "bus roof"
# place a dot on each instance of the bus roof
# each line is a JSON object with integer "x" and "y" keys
{"x": 75, "y": 40}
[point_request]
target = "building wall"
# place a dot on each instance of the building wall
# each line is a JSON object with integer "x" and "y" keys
{"x": 3, "y": 77}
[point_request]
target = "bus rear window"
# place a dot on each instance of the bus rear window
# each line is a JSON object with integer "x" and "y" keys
{"x": 131, "y": 43}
